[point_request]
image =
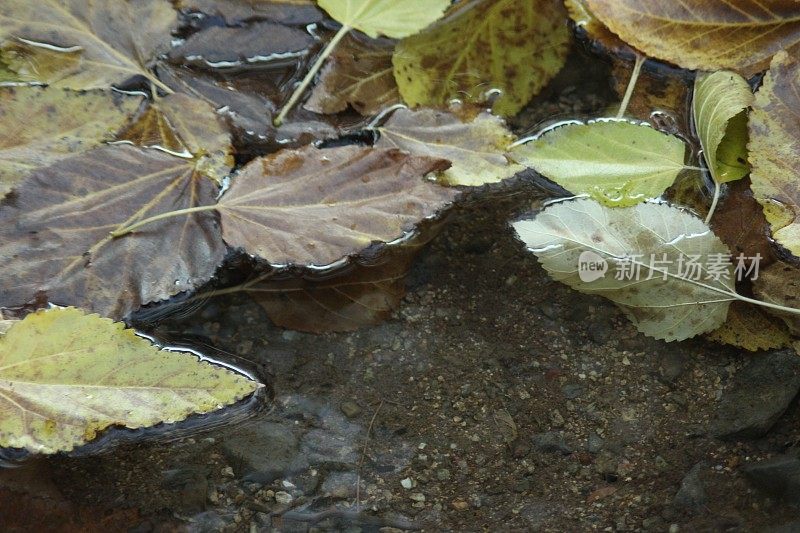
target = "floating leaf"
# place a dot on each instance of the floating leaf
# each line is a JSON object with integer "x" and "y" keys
{"x": 750, "y": 328}
{"x": 492, "y": 45}
{"x": 237, "y": 12}
{"x": 219, "y": 47}
{"x": 779, "y": 284}
{"x": 117, "y": 38}
{"x": 37, "y": 65}
{"x": 774, "y": 148}
{"x": 315, "y": 207}
{"x": 359, "y": 73}
{"x": 719, "y": 106}
{"x": 66, "y": 376}
{"x": 477, "y": 149}
{"x": 184, "y": 126}
{"x": 43, "y": 126}
{"x": 740, "y": 35}
{"x": 385, "y": 17}
{"x": 616, "y": 162}
{"x": 646, "y": 251}
{"x": 54, "y": 232}
{"x": 585, "y": 20}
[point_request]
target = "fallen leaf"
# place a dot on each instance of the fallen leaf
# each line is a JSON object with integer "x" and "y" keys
{"x": 66, "y": 376}
{"x": 750, "y": 328}
{"x": 774, "y": 148}
{"x": 237, "y": 12}
{"x": 54, "y": 232}
{"x": 484, "y": 49}
{"x": 186, "y": 127}
{"x": 720, "y": 104}
{"x": 505, "y": 425}
{"x": 359, "y": 73}
{"x": 595, "y": 30}
{"x": 739, "y": 222}
{"x": 277, "y": 206}
{"x": 43, "y": 126}
{"x": 616, "y": 162}
{"x": 740, "y": 35}
{"x": 261, "y": 42}
{"x": 779, "y": 284}
{"x": 385, "y": 17}
{"x": 37, "y": 65}
{"x": 5, "y": 325}
{"x": 117, "y": 38}
{"x": 477, "y": 149}
{"x": 647, "y": 251}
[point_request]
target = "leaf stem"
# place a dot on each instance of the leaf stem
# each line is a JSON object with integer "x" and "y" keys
{"x": 637, "y": 69}
{"x": 714, "y": 202}
{"x": 181, "y": 212}
{"x": 298, "y": 92}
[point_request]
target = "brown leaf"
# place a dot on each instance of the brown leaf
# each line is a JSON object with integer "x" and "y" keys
{"x": 117, "y": 38}
{"x": 235, "y": 12}
{"x": 185, "y": 126}
{"x": 595, "y": 30}
{"x": 261, "y": 42}
{"x": 505, "y": 425}
{"x": 748, "y": 327}
{"x": 315, "y": 207}
{"x": 54, "y": 232}
{"x": 360, "y": 74}
{"x": 34, "y": 64}
{"x": 779, "y": 284}
{"x": 740, "y": 35}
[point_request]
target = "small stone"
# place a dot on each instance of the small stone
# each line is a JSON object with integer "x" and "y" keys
{"x": 551, "y": 442}
{"x": 228, "y": 472}
{"x": 407, "y": 483}
{"x": 572, "y": 391}
{"x": 417, "y": 496}
{"x": 460, "y": 505}
{"x": 443, "y": 474}
{"x": 594, "y": 443}
{"x": 692, "y": 494}
{"x": 283, "y": 498}
{"x": 779, "y": 476}
{"x": 351, "y": 409}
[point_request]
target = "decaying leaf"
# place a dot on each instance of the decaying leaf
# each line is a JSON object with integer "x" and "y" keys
{"x": 237, "y": 12}
{"x": 484, "y": 49}
{"x": 66, "y": 376}
{"x": 505, "y": 425}
{"x": 595, "y": 30}
{"x": 719, "y": 106}
{"x": 385, "y": 17}
{"x": 750, "y": 328}
{"x": 616, "y": 162}
{"x": 54, "y": 232}
{"x": 117, "y": 38}
{"x": 641, "y": 257}
{"x": 477, "y": 149}
{"x": 739, "y": 222}
{"x": 37, "y": 65}
{"x": 220, "y": 47}
{"x": 359, "y": 73}
{"x": 779, "y": 284}
{"x": 774, "y": 148}
{"x": 42, "y": 126}
{"x": 315, "y": 207}
{"x": 186, "y": 127}
{"x": 740, "y": 35}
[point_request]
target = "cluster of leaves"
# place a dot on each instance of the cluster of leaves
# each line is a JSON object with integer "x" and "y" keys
{"x": 151, "y": 143}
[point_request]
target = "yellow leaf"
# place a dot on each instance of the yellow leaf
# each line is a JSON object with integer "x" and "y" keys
{"x": 392, "y": 18}
{"x": 740, "y": 35}
{"x": 483, "y": 48}
{"x": 750, "y": 328}
{"x": 66, "y": 376}
{"x": 774, "y": 148}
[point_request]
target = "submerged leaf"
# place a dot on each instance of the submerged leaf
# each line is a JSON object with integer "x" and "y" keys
{"x": 55, "y": 239}
{"x": 386, "y": 17}
{"x": 750, "y": 328}
{"x": 42, "y": 126}
{"x": 315, "y": 207}
{"x": 779, "y": 284}
{"x": 359, "y": 73}
{"x": 237, "y": 12}
{"x": 616, "y": 162}
{"x": 585, "y": 20}
{"x": 66, "y": 376}
{"x": 36, "y": 64}
{"x": 514, "y": 48}
{"x": 774, "y": 148}
{"x": 720, "y": 103}
{"x": 184, "y": 126}
{"x": 641, "y": 257}
{"x": 117, "y": 38}
{"x": 477, "y": 149}
{"x": 740, "y": 35}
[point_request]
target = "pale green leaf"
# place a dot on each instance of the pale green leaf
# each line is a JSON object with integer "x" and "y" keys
{"x": 392, "y": 18}
{"x": 503, "y": 51}
{"x": 616, "y": 162}
{"x": 665, "y": 300}
{"x": 477, "y": 149}
{"x": 66, "y": 376}
{"x": 719, "y": 106}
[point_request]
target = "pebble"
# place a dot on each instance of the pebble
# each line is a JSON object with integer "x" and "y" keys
{"x": 779, "y": 476}
{"x": 351, "y": 409}
{"x": 283, "y": 497}
{"x": 692, "y": 493}
{"x": 407, "y": 483}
